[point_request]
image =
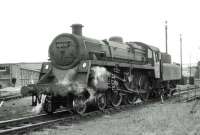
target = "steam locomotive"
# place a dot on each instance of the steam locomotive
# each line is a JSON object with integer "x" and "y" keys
{"x": 84, "y": 71}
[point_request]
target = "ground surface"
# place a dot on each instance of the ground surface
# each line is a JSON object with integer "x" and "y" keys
{"x": 154, "y": 119}
{"x": 16, "y": 108}
{"x": 169, "y": 118}
{"x": 9, "y": 91}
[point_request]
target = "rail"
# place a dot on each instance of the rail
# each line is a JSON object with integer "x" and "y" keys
{"x": 10, "y": 97}
{"x": 191, "y": 92}
{"x": 24, "y": 125}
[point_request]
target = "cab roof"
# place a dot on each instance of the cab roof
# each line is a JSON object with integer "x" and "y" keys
{"x": 149, "y": 46}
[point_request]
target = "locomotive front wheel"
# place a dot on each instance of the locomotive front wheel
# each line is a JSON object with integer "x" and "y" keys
{"x": 131, "y": 98}
{"x": 101, "y": 101}
{"x": 49, "y": 107}
{"x": 116, "y": 99}
{"x": 79, "y": 104}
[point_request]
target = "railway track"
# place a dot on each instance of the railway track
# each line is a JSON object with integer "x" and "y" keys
{"x": 27, "y": 124}
{"x": 188, "y": 94}
{"x": 10, "y": 97}
{"x": 20, "y": 125}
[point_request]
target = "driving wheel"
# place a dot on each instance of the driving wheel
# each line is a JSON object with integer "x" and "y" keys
{"x": 131, "y": 98}
{"x": 49, "y": 106}
{"x": 79, "y": 104}
{"x": 116, "y": 99}
{"x": 101, "y": 101}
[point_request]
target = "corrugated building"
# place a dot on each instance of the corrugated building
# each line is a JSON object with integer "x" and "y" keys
{"x": 19, "y": 74}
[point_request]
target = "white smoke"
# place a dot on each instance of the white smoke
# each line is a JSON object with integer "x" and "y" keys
{"x": 38, "y": 108}
{"x": 64, "y": 77}
{"x": 100, "y": 74}
{"x": 99, "y": 81}
{"x": 1, "y": 104}
{"x": 100, "y": 78}
{"x": 77, "y": 88}
{"x": 66, "y": 82}
{"x": 92, "y": 94}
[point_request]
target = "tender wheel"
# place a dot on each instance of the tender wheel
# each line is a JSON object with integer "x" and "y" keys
{"x": 79, "y": 104}
{"x": 101, "y": 101}
{"x": 116, "y": 99}
{"x": 131, "y": 98}
{"x": 49, "y": 106}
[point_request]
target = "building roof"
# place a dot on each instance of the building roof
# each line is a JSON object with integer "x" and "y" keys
{"x": 31, "y": 66}
{"x": 34, "y": 66}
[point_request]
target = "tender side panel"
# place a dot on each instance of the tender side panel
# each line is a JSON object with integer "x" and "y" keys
{"x": 171, "y": 72}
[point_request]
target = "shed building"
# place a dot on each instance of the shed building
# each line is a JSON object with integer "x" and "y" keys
{"x": 19, "y": 74}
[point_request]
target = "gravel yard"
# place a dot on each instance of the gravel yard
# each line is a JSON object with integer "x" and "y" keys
{"x": 10, "y": 91}
{"x": 16, "y": 108}
{"x": 153, "y": 119}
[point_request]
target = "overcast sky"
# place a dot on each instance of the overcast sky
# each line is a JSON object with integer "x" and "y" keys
{"x": 28, "y": 27}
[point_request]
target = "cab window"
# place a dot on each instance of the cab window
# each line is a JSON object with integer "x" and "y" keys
{"x": 150, "y": 54}
{"x": 150, "y": 57}
{"x": 157, "y": 56}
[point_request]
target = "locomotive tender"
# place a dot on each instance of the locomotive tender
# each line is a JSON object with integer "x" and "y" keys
{"x": 84, "y": 71}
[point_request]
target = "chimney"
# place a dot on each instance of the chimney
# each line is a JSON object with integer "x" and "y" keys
{"x": 77, "y": 29}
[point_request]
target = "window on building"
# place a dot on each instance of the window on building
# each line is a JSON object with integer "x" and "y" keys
{"x": 4, "y": 69}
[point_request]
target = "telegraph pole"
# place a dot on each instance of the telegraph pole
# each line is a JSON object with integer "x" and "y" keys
{"x": 181, "y": 56}
{"x": 190, "y": 66}
{"x": 166, "y": 35}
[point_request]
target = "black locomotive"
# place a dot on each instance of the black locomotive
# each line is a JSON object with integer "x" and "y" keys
{"x": 84, "y": 71}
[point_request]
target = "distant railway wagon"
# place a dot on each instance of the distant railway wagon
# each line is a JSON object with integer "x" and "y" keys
{"x": 85, "y": 71}
{"x": 19, "y": 74}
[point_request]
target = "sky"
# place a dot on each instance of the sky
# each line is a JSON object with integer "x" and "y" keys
{"x": 27, "y": 27}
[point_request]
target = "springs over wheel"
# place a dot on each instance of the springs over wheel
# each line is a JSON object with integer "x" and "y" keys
{"x": 79, "y": 104}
